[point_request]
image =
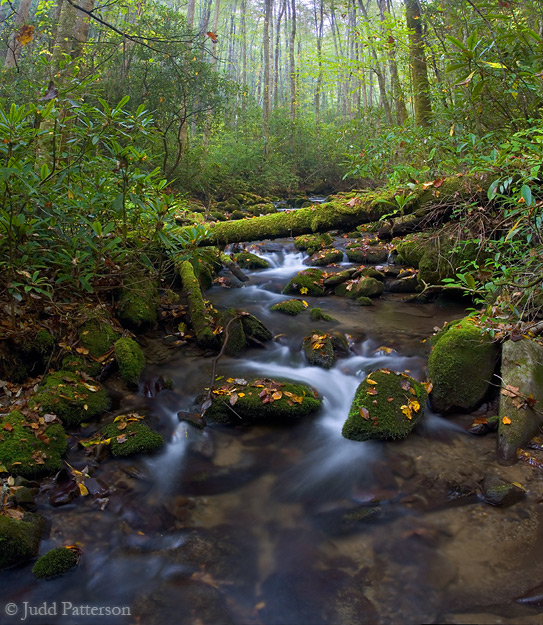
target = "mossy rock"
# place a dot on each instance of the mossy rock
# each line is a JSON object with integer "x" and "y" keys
{"x": 319, "y": 350}
{"x": 326, "y": 256}
{"x": 20, "y": 540}
{"x": 387, "y": 405}
{"x": 333, "y": 280}
{"x": 236, "y": 334}
{"x": 248, "y": 260}
{"x": 461, "y": 366}
{"x": 371, "y": 272}
{"x": 130, "y": 360}
{"x": 313, "y": 242}
{"x": 70, "y": 398}
{"x": 254, "y": 402}
{"x": 362, "y": 287}
{"x": 97, "y": 336}
{"x": 218, "y": 216}
{"x": 237, "y": 214}
{"x": 262, "y": 208}
{"x": 132, "y": 437}
{"x": 316, "y": 314}
{"x": 363, "y": 255}
{"x": 410, "y": 250}
{"x": 364, "y": 301}
{"x": 310, "y": 279}
{"x": 289, "y": 307}
{"x": 23, "y": 452}
{"x": 138, "y": 303}
{"x": 255, "y": 330}
{"x": 44, "y": 343}
{"x": 55, "y": 562}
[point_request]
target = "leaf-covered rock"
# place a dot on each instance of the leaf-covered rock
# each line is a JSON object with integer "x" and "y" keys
{"x": 387, "y": 405}
{"x": 307, "y": 282}
{"x": 128, "y": 437}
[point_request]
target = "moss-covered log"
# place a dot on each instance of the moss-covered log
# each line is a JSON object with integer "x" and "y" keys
{"x": 344, "y": 213}
{"x": 199, "y": 316}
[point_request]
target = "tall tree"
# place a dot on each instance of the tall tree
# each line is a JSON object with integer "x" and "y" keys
{"x": 419, "y": 68}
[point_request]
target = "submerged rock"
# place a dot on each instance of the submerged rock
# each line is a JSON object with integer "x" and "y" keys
{"x": 461, "y": 366}
{"x": 522, "y": 369}
{"x": 498, "y": 492}
{"x": 262, "y": 400}
{"x": 387, "y": 405}
{"x": 27, "y": 451}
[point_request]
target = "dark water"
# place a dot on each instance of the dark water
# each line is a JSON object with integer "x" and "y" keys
{"x": 294, "y": 526}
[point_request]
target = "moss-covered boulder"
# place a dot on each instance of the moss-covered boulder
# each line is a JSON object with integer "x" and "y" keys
{"x": 290, "y": 307}
{"x": 498, "y": 492}
{"x": 371, "y": 272}
{"x": 307, "y": 282}
{"x": 262, "y": 400}
{"x": 317, "y": 314}
{"x": 323, "y": 349}
{"x": 248, "y": 260}
{"x": 97, "y": 336}
{"x": 313, "y": 242}
{"x": 241, "y": 329}
{"x": 20, "y": 539}
{"x": 335, "y": 279}
{"x": 255, "y": 331}
{"x": 128, "y": 437}
{"x": 461, "y": 366}
{"x": 361, "y": 287}
{"x": 364, "y": 301}
{"x": 55, "y": 562}
{"x": 387, "y": 405}
{"x": 29, "y": 448}
{"x": 410, "y": 250}
{"x": 138, "y": 303}
{"x": 326, "y": 256}
{"x": 130, "y": 359}
{"x": 371, "y": 255}
{"x": 80, "y": 364}
{"x": 70, "y": 398}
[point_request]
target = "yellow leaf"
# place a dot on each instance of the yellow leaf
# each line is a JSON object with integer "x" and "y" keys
{"x": 83, "y": 490}
{"x": 26, "y": 34}
{"x": 85, "y": 407}
{"x": 370, "y": 381}
{"x": 506, "y": 421}
{"x": 305, "y": 303}
{"x": 303, "y": 290}
{"x": 277, "y": 395}
{"x": 241, "y": 394}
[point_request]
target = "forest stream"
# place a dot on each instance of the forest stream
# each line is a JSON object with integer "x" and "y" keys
{"x": 251, "y": 525}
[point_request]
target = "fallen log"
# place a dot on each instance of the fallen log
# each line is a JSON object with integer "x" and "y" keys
{"x": 345, "y": 213}
{"x": 202, "y": 323}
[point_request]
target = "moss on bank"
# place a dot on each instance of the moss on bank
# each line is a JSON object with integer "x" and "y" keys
{"x": 29, "y": 451}
{"x": 130, "y": 360}
{"x": 387, "y": 405}
{"x": 138, "y": 303}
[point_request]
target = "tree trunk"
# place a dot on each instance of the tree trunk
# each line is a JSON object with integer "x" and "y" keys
{"x": 292, "y": 67}
{"x": 266, "y": 96}
{"x": 419, "y": 69}
{"x": 14, "y": 44}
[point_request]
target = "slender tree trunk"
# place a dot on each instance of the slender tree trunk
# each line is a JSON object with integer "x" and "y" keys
{"x": 419, "y": 69}
{"x": 243, "y": 27}
{"x": 292, "y": 67}
{"x": 266, "y": 96}
{"x": 14, "y": 44}
{"x": 277, "y": 54}
{"x": 319, "y": 26}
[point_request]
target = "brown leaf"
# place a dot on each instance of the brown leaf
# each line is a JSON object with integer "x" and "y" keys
{"x": 8, "y": 427}
{"x": 233, "y": 399}
{"x": 364, "y": 413}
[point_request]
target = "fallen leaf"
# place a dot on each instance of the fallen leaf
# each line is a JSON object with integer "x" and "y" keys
{"x": 364, "y": 413}
{"x": 506, "y": 421}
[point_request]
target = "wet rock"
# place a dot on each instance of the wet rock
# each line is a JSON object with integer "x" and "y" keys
{"x": 372, "y": 256}
{"x": 338, "y": 278}
{"x": 342, "y": 521}
{"x": 362, "y": 287}
{"x": 498, "y": 492}
{"x": 522, "y": 376}
{"x": 307, "y": 282}
{"x": 401, "y": 465}
{"x": 325, "y": 257}
{"x": 461, "y": 366}
{"x": 316, "y": 314}
{"x": 386, "y": 405}
{"x": 96, "y": 487}
{"x": 370, "y": 272}
{"x": 534, "y": 596}
{"x": 205, "y": 478}
{"x": 408, "y": 284}
{"x": 153, "y": 385}
{"x": 20, "y": 539}
{"x": 248, "y": 260}
{"x": 194, "y": 419}
{"x": 65, "y": 489}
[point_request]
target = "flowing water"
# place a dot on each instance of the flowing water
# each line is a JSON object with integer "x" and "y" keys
{"x": 295, "y": 525}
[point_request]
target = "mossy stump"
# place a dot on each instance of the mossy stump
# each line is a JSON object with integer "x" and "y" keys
{"x": 130, "y": 360}
{"x": 387, "y": 405}
{"x": 262, "y": 401}
{"x": 461, "y": 366}
{"x": 29, "y": 451}
{"x": 55, "y": 562}
{"x": 70, "y": 398}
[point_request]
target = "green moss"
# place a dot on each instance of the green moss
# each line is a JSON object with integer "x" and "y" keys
{"x": 310, "y": 279}
{"x": 236, "y": 334}
{"x": 55, "y": 562}
{"x": 362, "y": 287}
{"x": 326, "y": 257}
{"x": 313, "y": 242}
{"x": 377, "y": 410}
{"x": 247, "y": 260}
{"x": 411, "y": 250}
{"x": 97, "y": 336}
{"x": 295, "y": 401}
{"x": 237, "y": 214}
{"x": 130, "y": 359}
{"x": 317, "y": 315}
{"x": 44, "y": 343}
{"x": 199, "y": 316}
{"x": 333, "y": 280}
{"x": 370, "y": 272}
{"x": 19, "y": 540}
{"x": 254, "y": 329}
{"x": 364, "y": 255}
{"x": 66, "y": 395}
{"x": 135, "y": 438}
{"x": 290, "y": 307}
{"x": 364, "y": 301}
{"x": 461, "y": 366}
{"x": 138, "y": 303}
{"x": 29, "y": 452}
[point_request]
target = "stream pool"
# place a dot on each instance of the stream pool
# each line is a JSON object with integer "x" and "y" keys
{"x": 260, "y": 525}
